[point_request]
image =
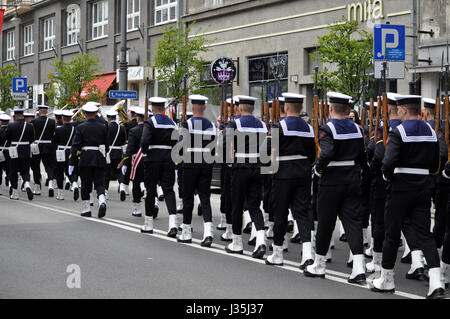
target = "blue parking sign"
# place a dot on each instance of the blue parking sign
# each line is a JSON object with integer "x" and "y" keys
{"x": 389, "y": 39}
{"x": 19, "y": 85}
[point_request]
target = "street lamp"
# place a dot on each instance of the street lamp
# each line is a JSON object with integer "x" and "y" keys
{"x": 16, "y": 20}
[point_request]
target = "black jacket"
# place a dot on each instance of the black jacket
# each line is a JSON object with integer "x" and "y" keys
{"x": 116, "y": 152}
{"x": 157, "y": 139}
{"x": 13, "y": 133}
{"x": 134, "y": 142}
{"x": 47, "y": 135}
{"x": 62, "y": 135}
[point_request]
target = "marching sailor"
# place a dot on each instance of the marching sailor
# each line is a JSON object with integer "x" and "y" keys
{"x": 90, "y": 144}
{"x": 292, "y": 182}
{"x": 123, "y": 187}
{"x": 244, "y": 138}
{"x": 197, "y": 169}
{"x": 63, "y": 140}
{"x": 19, "y": 135}
{"x": 156, "y": 144}
{"x": 412, "y": 153}
{"x": 43, "y": 150}
{"x": 58, "y": 117}
{"x": 4, "y": 121}
{"x": 339, "y": 168}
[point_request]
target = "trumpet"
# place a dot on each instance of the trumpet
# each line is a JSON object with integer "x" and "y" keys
{"x": 79, "y": 116}
{"x": 121, "y": 112}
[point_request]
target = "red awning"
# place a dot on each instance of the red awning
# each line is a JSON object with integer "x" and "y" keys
{"x": 102, "y": 84}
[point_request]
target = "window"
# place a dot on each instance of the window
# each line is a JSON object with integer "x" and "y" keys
{"x": 73, "y": 24}
{"x": 99, "y": 19}
{"x": 133, "y": 14}
{"x": 10, "y": 46}
{"x": 49, "y": 34}
{"x": 165, "y": 11}
{"x": 211, "y": 4}
{"x": 28, "y": 40}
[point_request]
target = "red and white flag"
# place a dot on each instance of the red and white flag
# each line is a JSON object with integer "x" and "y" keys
{"x": 135, "y": 162}
{"x": 2, "y": 14}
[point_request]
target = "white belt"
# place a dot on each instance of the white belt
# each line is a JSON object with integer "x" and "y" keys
{"x": 115, "y": 147}
{"x": 161, "y": 147}
{"x": 341, "y": 163}
{"x": 291, "y": 157}
{"x": 43, "y": 142}
{"x": 90, "y": 148}
{"x": 245, "y": 155}
{"x": 20, "y": 143}
{"x": 415, "y": 171}
{"x": 198, "y": 150}
{"x": 64, "y": 147}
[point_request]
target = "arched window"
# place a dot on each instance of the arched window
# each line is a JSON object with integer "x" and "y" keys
{"x": 73, "y": 23}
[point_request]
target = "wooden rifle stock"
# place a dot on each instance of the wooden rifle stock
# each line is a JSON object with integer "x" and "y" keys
{"x": 322, "y": 112}
{"x": 262, "y": 110}
{"x": 377, "y": 119}
{"x": 437, "y": 115}
{"x": 267, "y": 114}
{"x": 225, "y": 105}
{"x": 385, "y": 119}
{"x": 277, "y": 118}
{"x": 231, "y": 109}
{"x": 183, "y": 115}
{"x": 316, "y": 124}
{"x": 221, "y": 111}
{"x": 446, "y": 109}
{"x": 363, "y": 118}
{"x": 274, "y": 110}
{"x": 371, "y": 117}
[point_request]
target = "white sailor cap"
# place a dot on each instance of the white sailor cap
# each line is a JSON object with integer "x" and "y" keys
{"x": 158, "y": 101}
{"x": 42, "y": 107}
{"x": 375, "y": 104}
{"x": 392, "y": 98}
{"x": 293, "y": 97}
{"x": 111, "y": 113}
{"x": 228, "y": 101}
{"x": 4, "y": 117}
{"x": 282, "y": 100}
{"x": 430, "y": 103}
{"x": 244, "y": 99}
{"x": 57, "y": 112}
{"x": 1, "y": 112}
{"x": 235, "y": 100}
{"x": 29, "y": 115}
{"x": 67, "y": 113}
{"x": 139, "y": 111}
{"x": 338, "y": 98}
{"x": 90, "y": 107}
{"x": 18, "y": 111}
{"x": 198, "y": 99}
{"x": 408, "y": 99}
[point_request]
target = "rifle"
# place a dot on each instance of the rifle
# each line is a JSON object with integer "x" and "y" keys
{"x": 231, "y": 109}
{"x": 437, "y": 113}
{"x": 315, "y": 115}
{"x": 146, "y": 100}
{"x": 267, "y": 114}
{"x": 446, "y": 106}
{"x": 278, "y": 110}
{"x": 221, "y": 111}
{"x": 385, "y": 104}
{"x": 325, "y": 98}
{"x": 322, "y": 103}
{"x": 377, "y": 119}
{"x": 183, "y": 116}
{"x": 262, "y": 109}
{"x": 225, "y": 108}
{"x": 363, "y": 110}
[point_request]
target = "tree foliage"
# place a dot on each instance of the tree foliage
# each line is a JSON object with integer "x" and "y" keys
{"x": 7, "y": 73}
{"x": 346, "y": 52}
{"x": 69, "y": 80}
{"x": 177, "y": 57}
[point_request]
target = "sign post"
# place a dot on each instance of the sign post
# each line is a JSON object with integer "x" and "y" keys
{"x": 223, "y": 72}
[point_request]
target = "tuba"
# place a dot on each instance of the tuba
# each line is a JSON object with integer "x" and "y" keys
{"x": 121, "y": 112}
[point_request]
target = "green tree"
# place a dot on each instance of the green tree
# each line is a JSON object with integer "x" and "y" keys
{"x": 6, "y": 75}
{"x": 71, "y": 78}
{"x": 347, "y": 51}
{"x": 177, "y": 57}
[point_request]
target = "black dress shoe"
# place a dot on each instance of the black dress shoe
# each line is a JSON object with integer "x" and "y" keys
{"x": 221, "y": 227}
{"x": 123, "y": 196}
{"x": 418, "y": 274}
{"x": 296, "y": 239}
{"x": 10, "y": 192}
{"x": 155, "y": 212}
{"x": 46, "y": 182}
{"x": 146, "y": 231}
{"x": 350, "y": 264}
{"x": 51, "y": 192}
{"x": 172, "y": 232}
{"x": 136, "y": 215}
{"x": 290, "y": 226}
{"x": 252, "y": 242}
{"x": 306, "y": 264}
{"x": 228, "y": 250}
{"x": 199, "y": 210}
{"x": 161, "y": 198}
{"x": 102, "y": 210}
{"x": 359, "y": 280}
{"x": 207, "y": 242}
{"x": 29, "y": 194}
{"x": 259, "y": 252}
{"x": 343, "y": 238}
{"x": 225, "y": 239}
{"x": 248, "y": 228}
{"x": 67, "y": 186}
{"x": 76, "y": 193}
{"x": 311, "y": 275}
{"x": 375, "y": 289}
{"x": 87, "y": 214}
{"x": 406, "y": 259}
{"x": 438, "y": 293}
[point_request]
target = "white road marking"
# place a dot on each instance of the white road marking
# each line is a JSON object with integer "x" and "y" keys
{"x": 215, "y": 248}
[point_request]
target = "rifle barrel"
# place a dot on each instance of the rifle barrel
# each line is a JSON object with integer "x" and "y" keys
{"x": 385, "y": 119}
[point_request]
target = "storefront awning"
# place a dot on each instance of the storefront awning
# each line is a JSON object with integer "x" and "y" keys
{"x": 102, "y": 83}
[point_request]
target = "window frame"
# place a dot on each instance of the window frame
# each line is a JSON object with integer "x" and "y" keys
{"x": 73, "y": 31}
{"x": 10, "y": 45}
{"x": 48, "y": 38}
{"x": 167, "y": 6}
{"x": 131, "y": 16}
{"x": 101, "y": 24}
{"x": 28, "y": 34}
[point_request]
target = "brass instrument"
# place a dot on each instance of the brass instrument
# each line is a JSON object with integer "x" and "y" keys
{"x": 121, "y": 112}
{"x": 79, "y": 116}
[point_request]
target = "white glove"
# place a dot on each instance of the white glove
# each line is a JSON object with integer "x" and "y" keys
{"x": 71, "y": 168}
{"x": 316, "y": 172}
{"x": 445, "y": 175}
{"x": 124, "y": 170}
{"x": 385, "y": 178}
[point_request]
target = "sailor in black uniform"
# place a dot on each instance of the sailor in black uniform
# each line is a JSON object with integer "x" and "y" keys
{"x": 43, "y": 150}
{"x": 4, "y": 159}
{"x": 291, "y": 184}
{"x": 63, "y": 141}
{"x": 197, "y": 169}
{"x": 123, "y": 187}
{"x": 19, "y": 135}
{"x": 116, "y": 140}
{"x": 246, "y": 134}
{"x": 156, "y": 143}
{"x": 58, "y": 117}
{"x": 445, "y": 262}
{"x": 412, "y": 154}
{"x": 339, "y": 168}
{"x": 89, "y": 148}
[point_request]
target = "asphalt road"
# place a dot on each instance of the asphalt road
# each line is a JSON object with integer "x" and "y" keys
{"x": 44, "y": 240}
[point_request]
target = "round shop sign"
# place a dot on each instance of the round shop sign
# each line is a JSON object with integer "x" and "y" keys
{"x": 223, "y": 70}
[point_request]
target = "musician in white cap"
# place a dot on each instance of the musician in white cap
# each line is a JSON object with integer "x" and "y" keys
{"x": 89, "y": 148}
{"x": 197, "y": 169}
{"x": 339, "y": 167}
{"x": 156, "y": 144}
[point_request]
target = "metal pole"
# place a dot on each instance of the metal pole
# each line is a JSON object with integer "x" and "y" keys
{"x": 413, "y": 41}
{"x": 123, "y": 69}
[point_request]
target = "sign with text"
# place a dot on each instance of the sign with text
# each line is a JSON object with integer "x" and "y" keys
{"x": 122, "y": 94}
{"x": 389, "y": 42}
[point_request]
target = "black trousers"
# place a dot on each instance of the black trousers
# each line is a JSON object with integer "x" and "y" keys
{"x": 315, "y": 191}
{"x": 291, "y": 193}
{"x": 197, "y": 179}
{"x": 343, "y": 201}
{"x": 446, "y": 243}
{"x": 61, "y": 169}
{"x": 19, "y": 165}
{"x": 138, "y": 179}
{"x": 113, "y": 173}
{"x": 164, "y": 174}
{"x": 180, "y": 180}
{"x": 440, "y": 198}
{"x": 246, "y": 185}
{"x": 378, "y": 205}
{"x": 267, "y": 196}
{"x": 225, "y": 195}
{"x": 49, "y": 161}
{"x": 92, "y": 176}
{"x": 365, "y": 198}
{"x": 414, "y": 205}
